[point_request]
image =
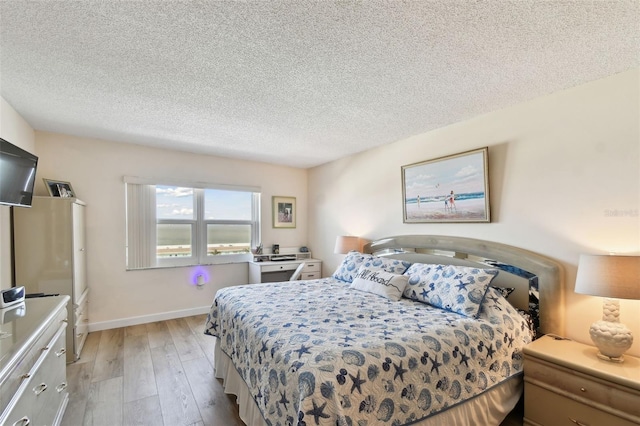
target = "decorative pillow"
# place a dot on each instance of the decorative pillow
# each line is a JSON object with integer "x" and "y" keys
{"x": 394, "y": 266}
{"x": 457, "y": 289}
{"x": 353, "y": 260}
{"x": 382, "y": 283}
{"x": 350, "y": 265}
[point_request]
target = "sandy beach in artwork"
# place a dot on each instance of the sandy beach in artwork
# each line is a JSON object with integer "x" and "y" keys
{"x": 470, "y": 209}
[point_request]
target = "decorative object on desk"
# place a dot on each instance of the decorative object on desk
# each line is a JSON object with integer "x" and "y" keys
{"x": 347, "y": 243}
{"x": 612, "y": 277}
{"x": 304, "y": 249}
{"x": 284, "y": 212}
{"x": 275, "y": 249}
{"x": 58, "y": 188}
{"x": 447, "y": 189}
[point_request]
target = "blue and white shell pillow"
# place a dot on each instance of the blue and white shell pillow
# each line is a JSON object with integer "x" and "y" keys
{"x": 454, "y": 288}
{"x": 353, "y": 260}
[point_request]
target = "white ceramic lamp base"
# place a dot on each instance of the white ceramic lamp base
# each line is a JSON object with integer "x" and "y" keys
{"x": 610, "y": 336}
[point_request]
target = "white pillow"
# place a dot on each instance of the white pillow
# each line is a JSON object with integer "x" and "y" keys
{"x": 382, "y": 283}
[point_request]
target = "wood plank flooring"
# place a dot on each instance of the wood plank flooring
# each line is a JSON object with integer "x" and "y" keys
{"x": 152, "y": 374}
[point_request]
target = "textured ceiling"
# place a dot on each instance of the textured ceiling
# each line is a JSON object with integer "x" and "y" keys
{"x": 296, "y": 82}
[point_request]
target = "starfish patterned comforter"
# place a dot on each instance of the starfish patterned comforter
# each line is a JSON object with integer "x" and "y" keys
{"x": 322, "y": 353}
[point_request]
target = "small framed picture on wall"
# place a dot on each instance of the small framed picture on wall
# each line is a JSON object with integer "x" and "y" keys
{"x": 58, "y": 188}
{"x": 284, "y": 212}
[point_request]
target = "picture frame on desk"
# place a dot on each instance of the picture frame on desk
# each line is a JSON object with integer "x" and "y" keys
{"x": 284, "y": 212}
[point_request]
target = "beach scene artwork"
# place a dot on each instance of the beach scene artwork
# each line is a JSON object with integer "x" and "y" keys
{"x": 447, "y": 189}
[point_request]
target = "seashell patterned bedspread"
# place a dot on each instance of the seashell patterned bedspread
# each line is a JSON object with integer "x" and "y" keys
{"x": 321, "y": 353}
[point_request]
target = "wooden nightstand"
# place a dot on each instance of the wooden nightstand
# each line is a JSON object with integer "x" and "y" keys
{"x": 567, "y": 384}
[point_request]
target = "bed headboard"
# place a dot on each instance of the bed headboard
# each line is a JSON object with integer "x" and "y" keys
{"x": 538, "y": 280}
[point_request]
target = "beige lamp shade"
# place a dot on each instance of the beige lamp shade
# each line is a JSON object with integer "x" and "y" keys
{"x": 609, "y": 276}
{"x": 345, "y": 244}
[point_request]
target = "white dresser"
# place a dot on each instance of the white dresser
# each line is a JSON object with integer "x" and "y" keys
{"x": 33, "y": 375}
{"x": 50, "y": 258}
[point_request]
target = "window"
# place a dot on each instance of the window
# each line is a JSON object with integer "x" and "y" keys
{"x": 179, "y": 225}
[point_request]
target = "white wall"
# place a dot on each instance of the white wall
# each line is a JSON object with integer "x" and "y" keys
{"x": 16, "y": 130}
{"x": 95, "y": 169}
{"x": 560, "y": 166}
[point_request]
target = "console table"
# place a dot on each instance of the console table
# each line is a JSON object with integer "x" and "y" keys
{"x": 33, "y": 367}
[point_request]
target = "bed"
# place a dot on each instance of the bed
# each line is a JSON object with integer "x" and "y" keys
{"x": 415, "y": 330}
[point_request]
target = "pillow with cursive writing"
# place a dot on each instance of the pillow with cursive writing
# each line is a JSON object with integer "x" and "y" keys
{"x": 380, "y": 282}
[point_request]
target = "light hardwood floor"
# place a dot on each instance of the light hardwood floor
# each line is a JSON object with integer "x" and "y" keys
{"x": 152, "y": 374}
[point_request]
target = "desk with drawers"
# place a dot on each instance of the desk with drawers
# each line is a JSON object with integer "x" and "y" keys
{"x": 276, "y": 271}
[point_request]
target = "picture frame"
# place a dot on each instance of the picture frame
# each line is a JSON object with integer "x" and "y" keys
{"x": 59, "y": 188}
{"x": 284, "y": 212}
{"x": 454, "y": 188}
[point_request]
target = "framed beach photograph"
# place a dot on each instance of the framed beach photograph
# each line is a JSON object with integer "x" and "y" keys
{"x": 58, "y": 188}
{"x": 284, "y": 212}
{"x": 447, "y": 189}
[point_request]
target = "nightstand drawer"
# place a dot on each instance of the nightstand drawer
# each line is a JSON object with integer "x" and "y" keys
{"x": 546, "y": 408}
{"x": 587, "y": 389}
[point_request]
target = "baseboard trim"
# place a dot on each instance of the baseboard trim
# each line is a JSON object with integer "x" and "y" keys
{"x": 144, "y": 319}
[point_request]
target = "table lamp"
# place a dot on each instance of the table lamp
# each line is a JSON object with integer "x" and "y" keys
{"x": 612, "y": 277}
{"x": 347, "y": 243}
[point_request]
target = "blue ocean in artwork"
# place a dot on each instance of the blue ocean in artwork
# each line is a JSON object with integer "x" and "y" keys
{"x": 441, "y": 198}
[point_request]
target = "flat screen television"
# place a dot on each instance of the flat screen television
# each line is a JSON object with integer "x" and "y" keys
{"x": 17, "y": 175}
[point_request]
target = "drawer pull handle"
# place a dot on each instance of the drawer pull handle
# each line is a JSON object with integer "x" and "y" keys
{"x": 85, "y": 320}
{"x": 61, "y": 352}
{"x": 45, "y": 348}
{"x": 40, "y": 388}
{"x": 583, "y": 390}
{"x": 25, "y": 376}
{"x": 25, "y": 421}
{"x": 62, "y": 386}
{"x": 578, "y": 422}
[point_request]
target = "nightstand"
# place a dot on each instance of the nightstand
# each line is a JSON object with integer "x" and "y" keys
{"x": 567, "y": 384}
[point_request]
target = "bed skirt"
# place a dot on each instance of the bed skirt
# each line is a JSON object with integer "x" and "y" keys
{"x": 489, "y": 408}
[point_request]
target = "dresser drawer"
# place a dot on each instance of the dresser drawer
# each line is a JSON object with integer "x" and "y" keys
{"x": 43, "y": 389}
{"x": 546, "y": 408}
{"x": 15, "y": 377}
{"x": 310, "y": 276}
{"x": 581, "y": 387}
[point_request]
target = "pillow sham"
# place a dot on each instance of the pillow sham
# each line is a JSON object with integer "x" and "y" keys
{"x": 353, "y": 260}
{"x": 380, "y": 282}
{"x": 387, "y": 264}
{"x": 349, "y": 266}
{"x": 454, "y": 288}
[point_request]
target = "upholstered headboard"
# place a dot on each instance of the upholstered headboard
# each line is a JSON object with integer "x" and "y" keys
{"x": 538, "y": 280}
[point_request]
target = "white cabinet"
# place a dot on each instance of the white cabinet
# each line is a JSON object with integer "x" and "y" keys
{"x": 50, "y": 258}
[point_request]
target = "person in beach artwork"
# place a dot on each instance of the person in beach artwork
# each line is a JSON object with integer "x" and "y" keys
{"x": 418, "y": 201}
{"x": 452, "y": 203}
